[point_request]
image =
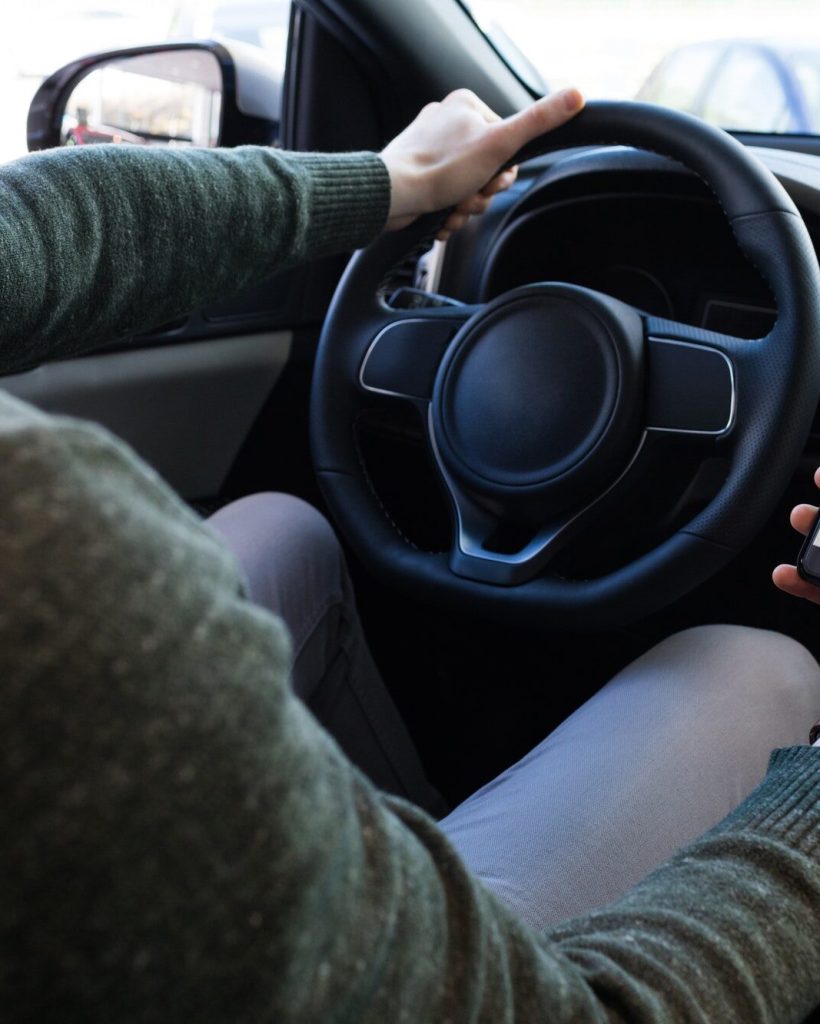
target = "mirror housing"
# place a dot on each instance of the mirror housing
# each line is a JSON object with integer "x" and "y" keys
{"x": 244, "y": 89}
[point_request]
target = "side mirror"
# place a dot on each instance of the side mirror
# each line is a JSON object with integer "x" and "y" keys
{"x": 171, "y": 94}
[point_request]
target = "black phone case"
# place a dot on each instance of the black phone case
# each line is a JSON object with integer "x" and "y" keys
{"x": 808, "y": 561}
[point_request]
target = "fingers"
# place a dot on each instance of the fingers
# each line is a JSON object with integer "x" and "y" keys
{"x": 481, "y": 200}
{"x": 539, "y": 118}
{"x": 501, "y": 182}
{"x": 468, "y": 97}
{"x": 802, "y": 518}
{"x": 454, "y": 222}
{"x": 476, "y": 204}
{"x": 785, "y": 578}
{"x": 450, "y": 154}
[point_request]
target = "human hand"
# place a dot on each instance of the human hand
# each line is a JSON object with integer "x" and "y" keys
{"x": 785, "y": 576}
{"x": 450, "y": 155}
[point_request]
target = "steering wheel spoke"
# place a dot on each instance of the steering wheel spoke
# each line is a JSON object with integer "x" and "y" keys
{"x": 691, "y": 386}
{"x": 489, "y": 548}
{"x": 404, "y": 354}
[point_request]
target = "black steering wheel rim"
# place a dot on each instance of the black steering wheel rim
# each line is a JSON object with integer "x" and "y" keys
{"x": 776, "y": 378}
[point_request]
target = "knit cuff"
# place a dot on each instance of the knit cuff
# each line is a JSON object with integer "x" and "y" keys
{"x": 786, "y": 805}
{"x": 350, "y": 200}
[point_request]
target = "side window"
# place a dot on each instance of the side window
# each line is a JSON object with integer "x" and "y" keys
{"x": 680, "y": 78}
{"x": 40, "y": 36}
{"x": 262, "y": 23}
{"x": 747, "y": 94}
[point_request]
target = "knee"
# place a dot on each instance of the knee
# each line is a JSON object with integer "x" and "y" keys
{"x": 283, "y": 521}
{"x": 303, "y": 524}
{"x": 746, "y": 647}
{"x": 753, "y": 664}
{"x": 287, "y": 549}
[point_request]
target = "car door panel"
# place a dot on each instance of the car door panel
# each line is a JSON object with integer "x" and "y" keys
{"x": 185, "y": 408}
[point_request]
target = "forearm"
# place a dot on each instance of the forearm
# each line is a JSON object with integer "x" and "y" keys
{"x": 100, "y": 242}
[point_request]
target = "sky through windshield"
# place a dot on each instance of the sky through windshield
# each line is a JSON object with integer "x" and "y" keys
{"x": 755, "y": 61}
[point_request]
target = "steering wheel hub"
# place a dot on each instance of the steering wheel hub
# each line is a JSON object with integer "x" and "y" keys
{"x": 537, "y": 397}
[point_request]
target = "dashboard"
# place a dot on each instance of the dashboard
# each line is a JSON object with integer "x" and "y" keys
{"x": 634, "y": 225}
{"x": 619, "y": 244}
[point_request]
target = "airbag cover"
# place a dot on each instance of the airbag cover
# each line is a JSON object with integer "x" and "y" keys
{"x": 531, "y": 388}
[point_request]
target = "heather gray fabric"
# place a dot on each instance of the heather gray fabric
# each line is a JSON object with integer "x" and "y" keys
{"x": 294, "y": 566}
{"x": 659, "y": 755}
{"x": 662, "y": 753}
{"x": 180, "y": 840}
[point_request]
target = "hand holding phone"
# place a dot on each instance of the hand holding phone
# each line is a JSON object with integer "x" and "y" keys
{"x": 803, "y": 580}
{"x": 808, "y": 561}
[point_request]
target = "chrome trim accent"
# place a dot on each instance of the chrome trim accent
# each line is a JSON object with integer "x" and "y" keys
{"x": 456, "y": 321}
{"x": 430, "y": 266}
{"x": 371, "y": 347}
{"x": 732, "y": 404}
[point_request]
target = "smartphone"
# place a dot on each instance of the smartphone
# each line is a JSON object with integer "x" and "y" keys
{"x": 808, "y": 561}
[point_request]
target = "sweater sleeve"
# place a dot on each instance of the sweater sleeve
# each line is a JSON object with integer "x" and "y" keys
{"x": 181, "y": 841}
{"x": 98, "y": 242}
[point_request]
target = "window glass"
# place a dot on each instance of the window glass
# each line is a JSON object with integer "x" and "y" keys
{"x": 262, "y": 23}
{"x": 610, "y": 48}
{"x": 746, "y": 93}
{"x": 679, "y": 81}
{"x": 167, "y": 98}
{"x": 806, "y": 68}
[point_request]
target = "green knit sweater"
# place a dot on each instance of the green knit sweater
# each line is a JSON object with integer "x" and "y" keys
{"x": 180, "y": 840}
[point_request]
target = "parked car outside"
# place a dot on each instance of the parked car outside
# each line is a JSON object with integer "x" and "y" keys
{"x": 745, "y": 86}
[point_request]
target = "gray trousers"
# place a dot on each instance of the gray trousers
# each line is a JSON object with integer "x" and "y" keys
{"x": 656, "y": 757}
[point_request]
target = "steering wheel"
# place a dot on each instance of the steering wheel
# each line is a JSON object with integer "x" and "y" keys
{"x": 537, "y": 403}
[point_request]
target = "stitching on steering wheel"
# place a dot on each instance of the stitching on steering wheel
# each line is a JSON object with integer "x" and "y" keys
{"x": 368, "y": 479}
{"x": 726, "y": 217}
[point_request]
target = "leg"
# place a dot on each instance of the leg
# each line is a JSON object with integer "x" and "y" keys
{"x": 658, "y": 756}
{"x": 294, "y": 566}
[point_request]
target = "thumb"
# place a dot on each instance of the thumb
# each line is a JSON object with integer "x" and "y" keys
{"x": 538, "y": 119}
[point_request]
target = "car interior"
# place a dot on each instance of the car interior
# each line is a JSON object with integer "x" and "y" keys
{"x": 239, "y": 398}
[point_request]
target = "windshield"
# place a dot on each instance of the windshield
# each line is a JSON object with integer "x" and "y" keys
{"x": 747, "y": 65}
